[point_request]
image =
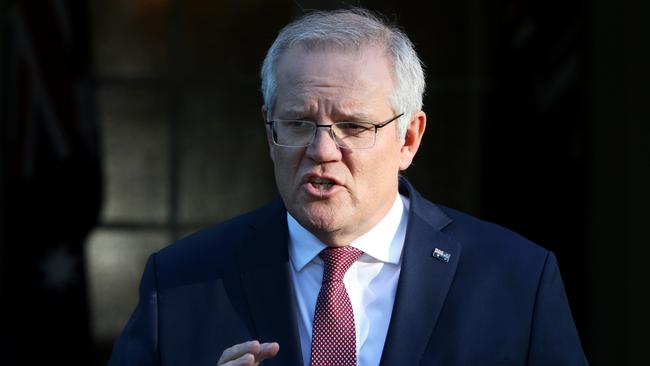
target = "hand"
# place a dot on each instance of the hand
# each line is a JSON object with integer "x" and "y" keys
{"x": 250, "y": 353}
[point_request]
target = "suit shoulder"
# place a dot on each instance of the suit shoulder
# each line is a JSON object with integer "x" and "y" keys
{"x": 478, "y": 238}
{"x": 493, "y": 253}
{"x": 489, "y": 240}
{"x": 209, "y": 252}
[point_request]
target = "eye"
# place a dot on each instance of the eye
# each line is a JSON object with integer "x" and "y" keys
{"x": 354, "y": 128}
{"x": 297, "y": 125}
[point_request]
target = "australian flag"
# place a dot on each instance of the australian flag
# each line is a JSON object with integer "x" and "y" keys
{"x": 51, "y": 188}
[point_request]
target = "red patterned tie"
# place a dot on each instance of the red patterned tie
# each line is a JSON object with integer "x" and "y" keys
{"x": 333, "y": 340}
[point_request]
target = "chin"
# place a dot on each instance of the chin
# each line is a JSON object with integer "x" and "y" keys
{"x": 319, "y": 217}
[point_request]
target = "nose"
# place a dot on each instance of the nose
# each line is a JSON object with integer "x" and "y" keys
{"x": 323, "y": 148}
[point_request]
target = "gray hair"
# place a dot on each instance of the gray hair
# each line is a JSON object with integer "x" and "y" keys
{"x": 351, "y": 30}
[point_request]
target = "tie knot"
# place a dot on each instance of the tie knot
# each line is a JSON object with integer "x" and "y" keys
{"x": 337, "y": 261}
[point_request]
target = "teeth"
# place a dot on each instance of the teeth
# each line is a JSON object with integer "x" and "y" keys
{"x": 321, "y": 183}
{"x": 323, "y": 186}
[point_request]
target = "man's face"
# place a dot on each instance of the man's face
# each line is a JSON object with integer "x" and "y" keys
{"x": 328, "y": 86}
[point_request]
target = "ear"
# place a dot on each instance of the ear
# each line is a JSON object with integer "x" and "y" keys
{"x": 269, "y": 140}
{"x": 412, "y": 139}
{"x": 264, "y": 111}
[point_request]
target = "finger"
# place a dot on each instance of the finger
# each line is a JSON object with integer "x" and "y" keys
{"x": 245, "y": 360}
{"x": 268, "y": 350}
{"x": 237, "y": 351}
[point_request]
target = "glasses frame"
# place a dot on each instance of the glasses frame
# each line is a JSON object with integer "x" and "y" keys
{"x": 332, "y": 134}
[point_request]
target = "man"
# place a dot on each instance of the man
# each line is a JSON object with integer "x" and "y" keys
{"x": 352, "y": 266}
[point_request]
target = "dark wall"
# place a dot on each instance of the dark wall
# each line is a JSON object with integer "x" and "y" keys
{"x": 51, "y": 183}
{"x": 534, "y": 143}
{"x": 618, "y": 178}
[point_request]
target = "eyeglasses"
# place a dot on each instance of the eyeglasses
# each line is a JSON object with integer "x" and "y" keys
{"x": 346, "y": 135}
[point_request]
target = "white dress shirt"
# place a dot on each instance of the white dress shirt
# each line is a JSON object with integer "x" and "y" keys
{"x": 371, "y": 282}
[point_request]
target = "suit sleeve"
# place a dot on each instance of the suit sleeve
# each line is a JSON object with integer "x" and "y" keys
{"x": 554, "y": 339}
{"x": 138, "y": 343}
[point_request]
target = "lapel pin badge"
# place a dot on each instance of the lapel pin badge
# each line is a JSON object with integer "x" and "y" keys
{"x": 441, "y": 255}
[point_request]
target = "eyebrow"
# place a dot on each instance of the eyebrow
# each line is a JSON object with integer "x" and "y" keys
{"x": 304, "y": 115}
{"x": 294, "y": 114}
{"x": 357, "y": 117}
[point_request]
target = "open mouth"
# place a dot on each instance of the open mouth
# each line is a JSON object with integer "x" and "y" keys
{"x": 321, "y": 183}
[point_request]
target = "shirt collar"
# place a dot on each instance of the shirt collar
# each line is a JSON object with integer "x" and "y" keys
{"x": 384, "y": 242}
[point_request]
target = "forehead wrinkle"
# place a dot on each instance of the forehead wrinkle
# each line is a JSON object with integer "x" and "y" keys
{"x": 339, "y": 93}
{"x": 309, "y": 101}
{"x": 326, "y": 85}
{"x": 338, "y": 109}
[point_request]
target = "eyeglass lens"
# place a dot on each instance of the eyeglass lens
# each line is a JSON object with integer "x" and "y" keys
{"x": 352, "y": 135}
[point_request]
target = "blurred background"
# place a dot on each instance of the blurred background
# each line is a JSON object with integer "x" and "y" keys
{"x": 127, "y": 124}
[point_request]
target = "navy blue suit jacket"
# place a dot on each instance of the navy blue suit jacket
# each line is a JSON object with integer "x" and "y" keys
{"x": 499, "y": 300}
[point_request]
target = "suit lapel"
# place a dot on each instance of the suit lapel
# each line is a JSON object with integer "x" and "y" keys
{"x": 423, "y": 284}
{"x": 267, "y": 285}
